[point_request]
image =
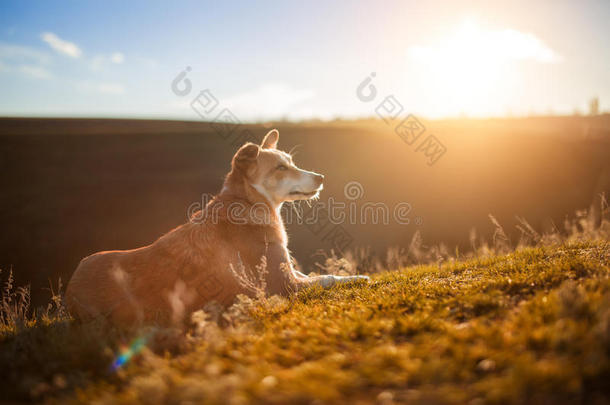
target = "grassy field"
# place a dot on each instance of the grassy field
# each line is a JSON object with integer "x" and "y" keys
{"x": 530, "y": 326}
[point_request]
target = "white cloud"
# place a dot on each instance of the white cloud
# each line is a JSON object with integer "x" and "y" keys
{"x": 99, "y": 61}
{"x": 271, "y": 100}
{"x": 518, "y": 45}
{"x": 117, "y": 58}
{"x": 471, "y": 42}
{"x": 18, "y": 53}
{"x": 24, "y": 60}
{"x": 110, "y": 88}
{"x": 37, "y": 72}
{"x": 61, "y": 46}
{"x": 88, "y": 86}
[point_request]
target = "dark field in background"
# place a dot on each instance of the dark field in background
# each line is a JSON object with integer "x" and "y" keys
{"x": 71, "y": 187}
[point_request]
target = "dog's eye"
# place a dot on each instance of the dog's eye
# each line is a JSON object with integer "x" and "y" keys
{"x": 282, "y": 167}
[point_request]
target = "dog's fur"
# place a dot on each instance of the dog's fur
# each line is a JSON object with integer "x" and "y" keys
{"x": 191, "y": 265}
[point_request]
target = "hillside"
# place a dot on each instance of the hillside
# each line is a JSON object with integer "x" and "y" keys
{"x": 532, "y": 326}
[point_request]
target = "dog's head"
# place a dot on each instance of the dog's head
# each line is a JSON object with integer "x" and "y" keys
{"x": 273, "y": 173}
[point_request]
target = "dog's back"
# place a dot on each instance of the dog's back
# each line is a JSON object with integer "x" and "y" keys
{"x": 182, "y": 271}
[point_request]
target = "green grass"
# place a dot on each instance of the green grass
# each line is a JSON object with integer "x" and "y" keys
{"x": 532, "y": 326}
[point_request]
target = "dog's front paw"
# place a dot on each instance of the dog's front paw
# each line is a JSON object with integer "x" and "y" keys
{"x": 351, "y": 279}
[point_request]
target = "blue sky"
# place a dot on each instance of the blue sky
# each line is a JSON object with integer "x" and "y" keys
{"x": 299, "y": 60}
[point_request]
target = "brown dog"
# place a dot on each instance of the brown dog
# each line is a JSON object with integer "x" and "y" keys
{"x": 239, "y": 233}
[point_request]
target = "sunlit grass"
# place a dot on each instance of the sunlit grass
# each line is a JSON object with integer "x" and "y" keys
{"x": 524, "y": 322}
{"x": 533, "y": 325}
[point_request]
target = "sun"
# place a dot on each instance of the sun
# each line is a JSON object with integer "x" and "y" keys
{"x": 471, "y": 70}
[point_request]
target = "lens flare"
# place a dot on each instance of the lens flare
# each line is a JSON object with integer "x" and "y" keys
{"x": 127, "y": 353}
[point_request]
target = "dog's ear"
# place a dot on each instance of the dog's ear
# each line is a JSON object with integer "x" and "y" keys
{"x": 270, "y": 140}
{"x": 246, "y": 155}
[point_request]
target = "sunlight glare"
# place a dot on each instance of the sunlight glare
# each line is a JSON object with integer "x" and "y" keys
{"x": 470, "y": 70}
